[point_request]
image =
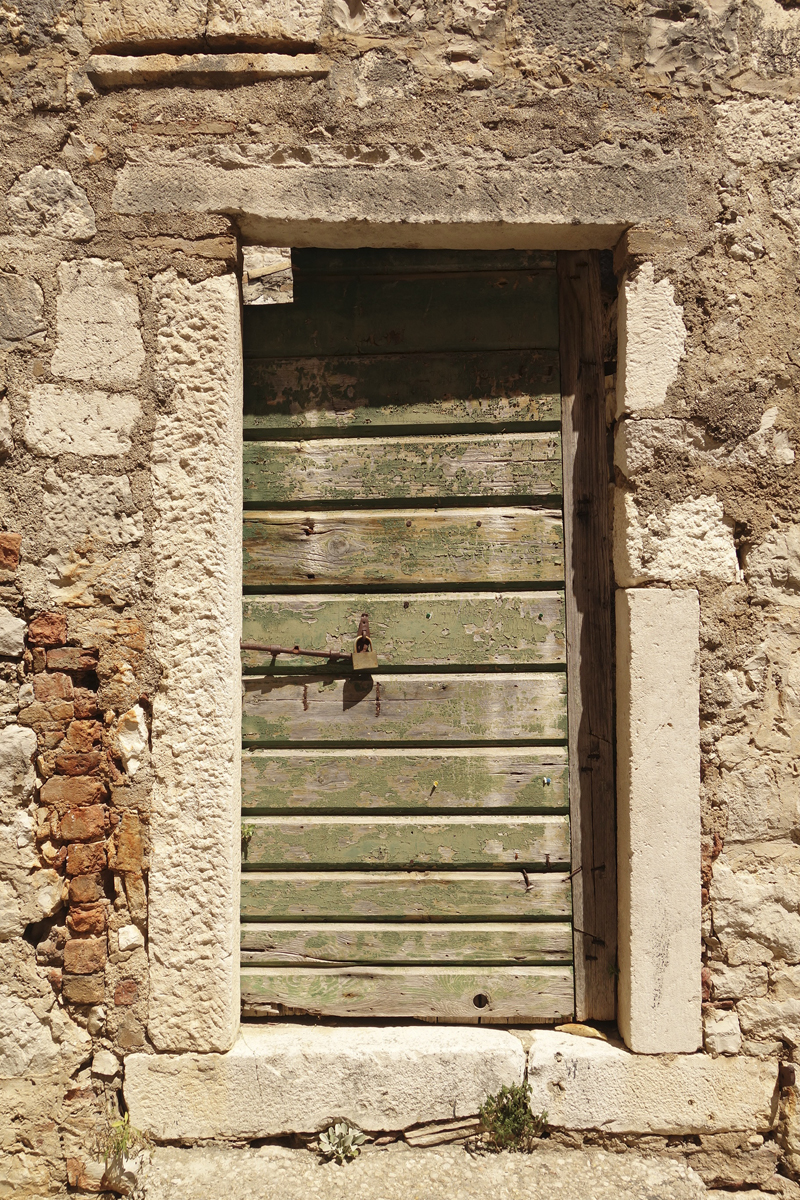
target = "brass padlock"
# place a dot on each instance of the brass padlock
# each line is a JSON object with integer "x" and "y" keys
{"x": 364, "y": 657}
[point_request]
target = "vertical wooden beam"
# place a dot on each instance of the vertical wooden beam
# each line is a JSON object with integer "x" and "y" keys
{"x": 590, "y": 662}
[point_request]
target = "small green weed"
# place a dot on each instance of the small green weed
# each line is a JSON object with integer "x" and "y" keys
{"x": 341, "y": 1141}
{"x": 508, "y": 1120}
{"x": 247, "y": 833}
{"x": 122, "y": 1141}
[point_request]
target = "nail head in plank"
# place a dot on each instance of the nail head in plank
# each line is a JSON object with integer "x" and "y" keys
{"x": 405, "y": 895}
{"x": 386, "y": 780}
{"x": 405, "y": 708}
{"x": 411, "y": 546}
{"x": 458, "y": 994}
{"x": 333, "y": 943}
{"x": 414, "y": 630}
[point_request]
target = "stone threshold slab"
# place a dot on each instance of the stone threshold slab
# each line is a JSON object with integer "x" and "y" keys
{"x": 283, "y": 1078}
{"x": 131, "y": 70}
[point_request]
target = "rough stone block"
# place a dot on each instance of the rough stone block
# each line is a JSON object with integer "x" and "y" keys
{"x": 760, "y": 131}
{"x": 737, "y": 983}
{"x": 127, "y": 850}
{"x": 84, "y": 824}
{"x": 201, "y": 70}
{"x": 85, "y": 889}
{"x": 755, "y": 908}
{"x": 84, "y": 736}
{"x": 79, "y": 764}
{"x": 134, "y": 22}
{"x": 64, "y": 792}
{"x": 44, "y": 201}
{"x": 129, "y": 938}
{"x": 658, "y": 812}
{"x": 86, "y": 859}
{"x": 196, "y": 550}
{"x": 61, "y": 421}
{"x": 88, "y": 920}
{"x": 651, "y": 341}
{"x": 21, "y": 307}
{"x": 85, "y": 704}
{"x": 685, "y": 542}
{"x": 17, "y": 776}
{"x": 105, "y": 1064}
{"x": 270, "y": 21}
{"x": 12, "y": 634}
{"x": 721, "y": 1032}
{"x": 589, "y": 1084}
{"x": 9, "y": 551}
{"x": 6, "y": 430}
{"x": 48, "y": 629}
{"x": 83, "y": 989}
{"x": 97, "y": 324}
{"x": 72, "y": 658}
{"x": 279, "y": 1079}
{"x": 55, "y": 686}
{"x": 85, "y": 956}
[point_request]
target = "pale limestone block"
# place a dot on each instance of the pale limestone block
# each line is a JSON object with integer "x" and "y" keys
{"x": 97, "y": 324}
{"x": 755, "y": 911}
{"x": 785, "y": 982}
{"x": 130, "y": 938}
{"x": 21, "y": 306}
{"x": 688, "y": 541}
{"x": 721, "y": 1032}
{"x": 105, "y": 1064}
{"x": 279, "y": 1079}
{"x": 736, "y": 983}
{"x": 651, "y": 341}
{"x": 760, "y": 131}
{"x": 12, "y": 923}
{"x": 44, "y": 201}
{"x": 137, "y": 70}
{"x": 658, "y": 814}
{"x": 769, "y": 1019}
{"x": 772, "y": 569}
{"x": 137, "y": 22}
{"x": 91, "y": 522}
{"x": 762, "y": 798}
{"x": 265, "y": 20}
{"x": 26, "y": 1044}
{"x": 588, "y": 1084}
{"x": 62, "y": 421}
{"x": 6, "y": 430}
{"x": 12, "y": 634}
{"x": 132, "y": 738}
{"x": 17, "y": 776}
{"x": 195, "y": 826}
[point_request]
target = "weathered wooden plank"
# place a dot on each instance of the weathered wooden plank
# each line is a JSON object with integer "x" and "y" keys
{"x": 432, "y": 629}
{"x": 369, "y": 314}
{"x": 404, "y": 895}
{"x": 331, "y": 943}
{"x": 503, "y": 387}
{"x": 589, "y": 636}
{"x": 405, "y": 708}
{"x": 389, "y": 261}
{"x": 403, "y": 780}
{"x": 530, "y": 843}
{"x": 406, "y": 546}
{"x": 515, "y": 465}
{"x": 465, "y": 994}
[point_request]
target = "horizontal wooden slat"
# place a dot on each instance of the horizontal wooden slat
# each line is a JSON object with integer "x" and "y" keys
{"x": 402, "y": 780}
{"x": 427, "y": 630}
{"x": 331, "y": 943}
{"x": 411, "y": 546}
{"x": 389, "y": 261}
{"x": 465, "y": 994}
{"x": 405, "y": 708}
{"x": 402, "y": 468}
{"x": 404, "y": 895}
{"x": 367, "y": 314}
{"x": 408, "y": 842}
{"x": 383, "y": 391}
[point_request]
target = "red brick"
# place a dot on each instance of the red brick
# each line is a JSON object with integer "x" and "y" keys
{"x": 64, "y": 792}
{"x": 84, "y": 824}
{"x": 85, "y": 889}
{"x": 84, "y": 736}
{"x": 53, "y": 687}
{"x": 85, "y": 956}
{"x": 88, "y": 920}
{"x": 48, "y": 629}
{"x": 46, "y": 716}
{"x": 126, "y": 993}
{"x": 9, "y": 551}
{"x": 72, "y": 658}
{"x": 79, "y": 764}
{"x": 84, "y": 989}
{"x": 128, "y": 847}
{"x": 85, "y": 704}
{"x": 86, "y": 859}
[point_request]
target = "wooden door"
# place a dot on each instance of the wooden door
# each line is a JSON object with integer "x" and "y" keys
{"x": 406, "y": 842}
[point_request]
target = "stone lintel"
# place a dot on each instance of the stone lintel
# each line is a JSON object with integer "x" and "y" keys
{"x": 658, "y": 814}
{"x": 281, "y": 1079}
{"x": 589, "y": 1084}
{"x": 131, "y": 70}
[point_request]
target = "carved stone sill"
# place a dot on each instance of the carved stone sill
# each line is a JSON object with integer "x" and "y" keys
{"x": 211, "y": 70}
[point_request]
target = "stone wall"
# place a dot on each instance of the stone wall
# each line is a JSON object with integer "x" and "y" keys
{"x": 129, "y": 184}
